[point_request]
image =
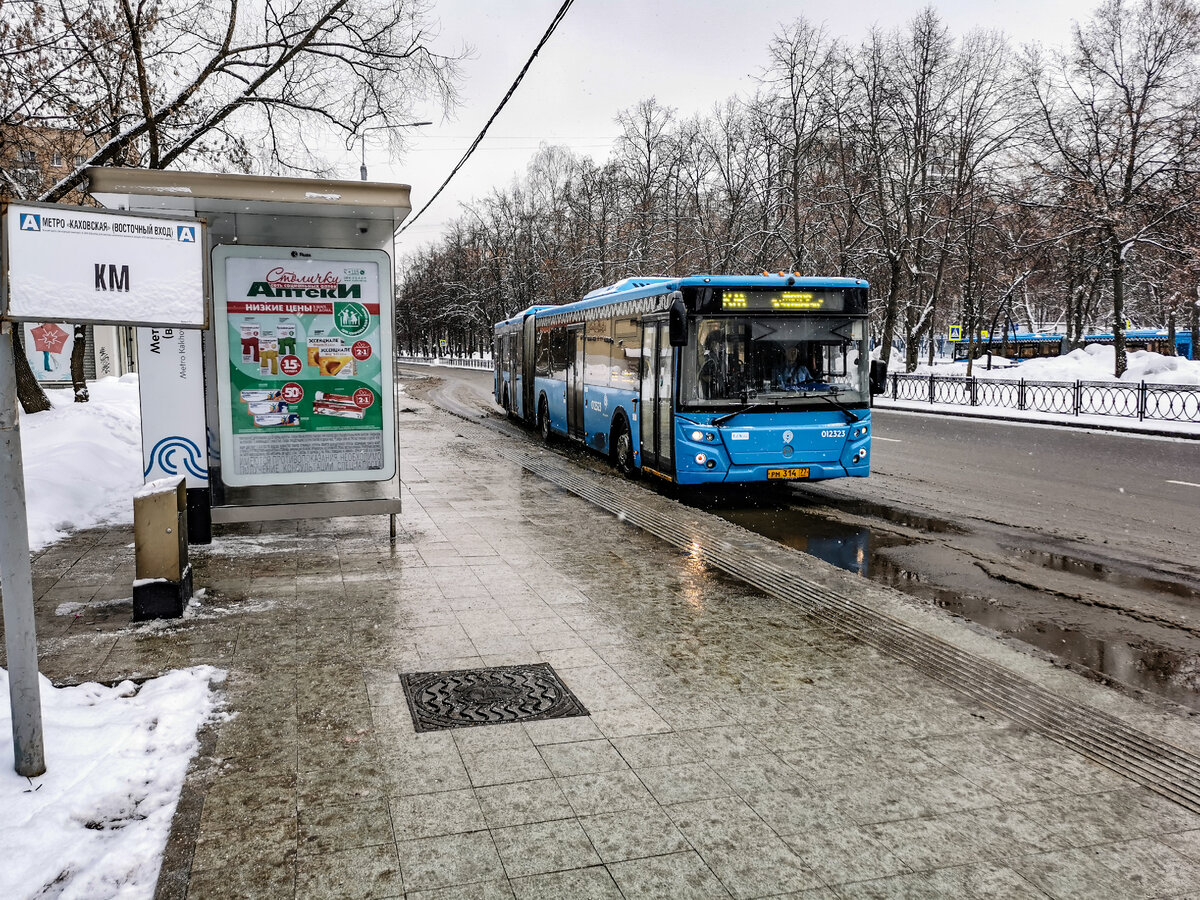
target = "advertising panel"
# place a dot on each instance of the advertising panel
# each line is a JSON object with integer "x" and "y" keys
{"x": 68, "y": 264}
{"x": 304, "y": 376}
{"x": 171, "y": 390}
{"x": 48, "y": 348}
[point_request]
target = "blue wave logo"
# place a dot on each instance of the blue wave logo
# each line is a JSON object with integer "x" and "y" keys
{"x": 172, "y": 451}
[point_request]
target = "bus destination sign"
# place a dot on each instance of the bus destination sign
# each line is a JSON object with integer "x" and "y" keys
{"x": 813, "y": 300}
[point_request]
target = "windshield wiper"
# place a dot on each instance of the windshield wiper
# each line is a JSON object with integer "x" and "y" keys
{"x": 721, "y": 420}
{"x": 851, "y": 418}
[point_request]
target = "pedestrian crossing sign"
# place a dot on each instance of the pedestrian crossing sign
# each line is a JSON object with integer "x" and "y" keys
{"x": 955, "y": 333}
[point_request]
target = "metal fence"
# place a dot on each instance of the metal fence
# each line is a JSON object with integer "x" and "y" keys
{"x": 1134, "y": 400}
{"x": 452, "y": 362}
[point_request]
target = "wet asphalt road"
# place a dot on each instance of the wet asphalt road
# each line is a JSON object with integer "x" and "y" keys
{"x": 1079, "y": 544}
{"x": 1131, "y": 497}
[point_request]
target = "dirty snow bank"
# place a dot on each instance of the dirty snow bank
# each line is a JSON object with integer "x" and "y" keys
{"x": 82, "y": 461}
{"x": 96, "y": 824}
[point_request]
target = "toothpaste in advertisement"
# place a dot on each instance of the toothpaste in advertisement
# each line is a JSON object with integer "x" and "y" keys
{"x": 341, "y": 410}
{"x": 274, "y": 421}
{"x": 266, "y": 408}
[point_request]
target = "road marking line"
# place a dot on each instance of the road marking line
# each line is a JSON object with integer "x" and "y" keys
{"x": 892, "y": 440}
{"x": 1185, "y": 483}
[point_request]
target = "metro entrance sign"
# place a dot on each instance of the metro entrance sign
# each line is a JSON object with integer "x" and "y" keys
{"x": 62, "y": 263}
{"x": 70, "y": 264}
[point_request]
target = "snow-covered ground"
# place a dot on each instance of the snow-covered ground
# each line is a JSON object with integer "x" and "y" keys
{"x": 96, "y": 824}
{"x": 1091, "y": 363}
{"x": 1094, "y": 362}
{"x": 82, "y": 461}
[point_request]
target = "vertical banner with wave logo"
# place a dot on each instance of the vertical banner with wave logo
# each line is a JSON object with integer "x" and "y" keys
{"x": 171, "y": 387}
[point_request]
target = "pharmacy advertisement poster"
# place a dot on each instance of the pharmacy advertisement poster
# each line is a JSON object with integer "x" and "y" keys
{"x": 304, "y": 349}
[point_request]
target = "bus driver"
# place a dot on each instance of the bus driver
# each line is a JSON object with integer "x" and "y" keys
{"x": 792, "y": 371}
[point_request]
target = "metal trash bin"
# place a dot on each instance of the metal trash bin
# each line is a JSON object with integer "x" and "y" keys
{"x": 164, "y": 575}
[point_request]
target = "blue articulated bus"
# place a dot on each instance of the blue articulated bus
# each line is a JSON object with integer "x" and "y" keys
{"x": 1022, "y": 345}
{"x": 701, "y": 380}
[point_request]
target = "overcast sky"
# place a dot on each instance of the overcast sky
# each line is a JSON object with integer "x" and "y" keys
{"x": 607, "y": 55}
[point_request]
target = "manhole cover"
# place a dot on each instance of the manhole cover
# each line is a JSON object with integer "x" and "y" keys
{"x": 439, "y": 700}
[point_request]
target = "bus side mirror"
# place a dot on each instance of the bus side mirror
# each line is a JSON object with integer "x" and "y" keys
{"x": 677, "y": 321}
{"x": 878, "y": 377}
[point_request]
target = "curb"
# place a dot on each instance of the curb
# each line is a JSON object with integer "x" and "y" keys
{"x": 1089, "y": 426}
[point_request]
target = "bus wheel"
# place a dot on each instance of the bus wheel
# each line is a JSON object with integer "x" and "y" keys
{"x": 544, "y": 421}
{"x": 622, "y": 445}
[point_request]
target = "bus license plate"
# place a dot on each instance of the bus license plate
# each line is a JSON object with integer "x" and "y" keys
{"x": 772, "y": 474}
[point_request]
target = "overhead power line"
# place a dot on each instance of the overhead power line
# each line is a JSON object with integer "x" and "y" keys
{"x": 558, "y": 17}
{"x": 512, "y": 148}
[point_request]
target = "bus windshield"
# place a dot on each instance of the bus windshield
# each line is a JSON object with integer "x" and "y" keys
{"x": 792, "y": 360}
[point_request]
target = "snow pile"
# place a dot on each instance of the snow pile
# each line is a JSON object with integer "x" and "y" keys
{"x": 83, "y": 461}
{"x": 96, "y": 824}
{"x": 1094, "y": 362}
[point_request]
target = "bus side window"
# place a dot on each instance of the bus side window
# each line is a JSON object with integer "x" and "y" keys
{"x": 598, "y": 347}
{"x": 627, "y": 353}
{"x": 542, "y": 366}
{"x": 558, "y": 353}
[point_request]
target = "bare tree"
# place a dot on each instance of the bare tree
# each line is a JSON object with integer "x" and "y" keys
{"x": 1113, "y": 112}
{"x": 966, "y": 186}
{"x": 237, "y": 85}
{"x": 898, "y": 112}
{"x": 803, "y": 61}
{"x": 646, "y": 156}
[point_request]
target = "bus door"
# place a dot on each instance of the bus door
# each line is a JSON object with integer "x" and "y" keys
{"x": 657, "y": 394}
{"x": 528, "y": 358}
{"x": 508, "y": 372}
{"x": 514, "y": 369}
{"x": 575, "y": 381}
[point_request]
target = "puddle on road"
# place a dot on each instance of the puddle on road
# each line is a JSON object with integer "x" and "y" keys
{"x": 1151, "y": 668}
{"x": 927, "y": 524}
{"x": 1100, "y": 572}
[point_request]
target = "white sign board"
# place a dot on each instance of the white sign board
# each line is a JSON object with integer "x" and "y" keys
{"x": 171, "y": 389}
{"x": 70, "y": 264}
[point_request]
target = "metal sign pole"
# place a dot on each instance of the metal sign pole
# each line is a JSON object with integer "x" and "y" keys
{"x": 20, "y": 636}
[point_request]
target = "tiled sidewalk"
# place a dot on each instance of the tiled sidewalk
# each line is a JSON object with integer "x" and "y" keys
{"x": 733, "y": 749}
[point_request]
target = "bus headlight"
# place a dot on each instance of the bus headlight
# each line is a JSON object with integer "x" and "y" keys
{"x": 710, "y": 437}
{"x": 697, "y": 435}
{"x": 700, "y": 458}
{"x": 860, "y": 432}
